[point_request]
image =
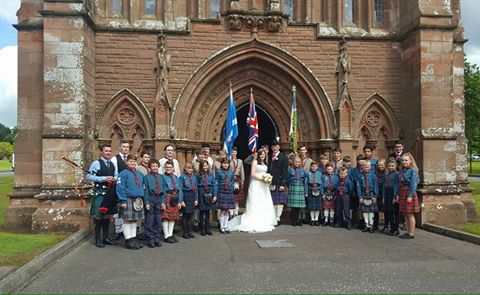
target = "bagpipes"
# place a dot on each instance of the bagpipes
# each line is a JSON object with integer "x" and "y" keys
{"x": 76, "y": 188}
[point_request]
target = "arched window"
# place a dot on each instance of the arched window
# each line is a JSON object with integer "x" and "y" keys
{"x": 348, "y": 12}
{"x": 150, "y": 7}
{"x": 288, "y": 9}
{"x": 117, "y": 7}
{"x": 378, "y": 11}
{"x": 214, "y": 8}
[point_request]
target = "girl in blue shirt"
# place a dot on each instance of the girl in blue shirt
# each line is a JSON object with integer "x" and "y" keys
{"x": 407, "y": 200}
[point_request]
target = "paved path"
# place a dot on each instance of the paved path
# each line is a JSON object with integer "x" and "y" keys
{"x": 326, "y": 260}
{"x": 474, "y": 178}
{"x": 7, "y": 173}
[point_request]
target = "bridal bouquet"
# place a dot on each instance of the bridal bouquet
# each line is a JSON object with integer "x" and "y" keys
{"x": 267, "y": 178}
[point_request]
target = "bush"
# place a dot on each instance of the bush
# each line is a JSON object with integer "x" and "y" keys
{"x": 6, "y": 150}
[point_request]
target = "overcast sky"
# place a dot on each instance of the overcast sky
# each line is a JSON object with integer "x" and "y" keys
{"x": 8, "y": 52}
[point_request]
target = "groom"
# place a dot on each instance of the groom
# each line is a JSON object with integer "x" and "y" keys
{"x": 278, "y": 168}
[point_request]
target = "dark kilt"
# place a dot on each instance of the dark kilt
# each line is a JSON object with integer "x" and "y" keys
{"x": 328, "y": 204}
{"x": 129, "y": 213}
{"x": 103, "y": 197}
{"x": 314, "y": 202}
{"x": 371, "y": 208}
{"x": 296, "y": 195}
{"x": 225, "y": 197}
{"x": 404, "y": 207}
{"x": 388, "y": 206}
{"x": 170, "y": 213}
{"x": 278, "y": 197}
{"x": 240, "y": 197}
{"x": 201, "y": 199}
{"x": 189, "y": 199}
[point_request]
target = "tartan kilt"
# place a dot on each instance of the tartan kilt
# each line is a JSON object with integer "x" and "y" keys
{"x": 296, "y": 195}
{"x": 314, "y": 202}
{"x": 189, "y": 199}
{"x": 240, "y": 196}
{"x": 129, "y": 213}
{"x": 202, "y": 206}
{"x": 278, "y": 197}
{"x": 404, "y": 207}
{"x": 225, "y": 197}
{"x": 326, "y": 204}
{"x": 371, "y": 208}
{"x": 99, "y": 199}
{"x": 170, "y": 213}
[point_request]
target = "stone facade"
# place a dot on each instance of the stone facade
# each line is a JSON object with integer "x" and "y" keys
{"x": 95, "y": 71}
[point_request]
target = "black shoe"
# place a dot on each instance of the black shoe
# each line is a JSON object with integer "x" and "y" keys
{"x": 99, "y": 243}
{"x": 227, "y": 231}
{"x": 107, "y": 241}
{"x": 169, "y": 240}
{"x": 185, "y": 236}
{"x": 174, "y": 239}
{"x": 137, "y": 243}
{"x": 158, "y": 243}
{"x": 312, "y": 223}
{"x": 349, "y": 226}
{"x": 393, "y": 233}
{"x": 209, "y": 232}
{"x": 191, "y": 236}
{"x": 130, "y": 244}
{"x": 279, "y": 223}
{"x": 365, "y": 229}
{"x": 202, "y": 232}
{"x": 331, "y": 224}
{"x": 151, "y": 244}
{"x": 222, "y": 231}
{"x": 371, "y": 230}
{"x": 317, "y": 223}
{"x": 406, "y": 237}
{"x": 325, "y": 223}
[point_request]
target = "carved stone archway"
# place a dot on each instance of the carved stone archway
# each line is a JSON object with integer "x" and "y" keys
{"x": 200, "y": 110}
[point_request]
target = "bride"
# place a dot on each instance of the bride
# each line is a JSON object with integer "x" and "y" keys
{"x": 259, "y": 213}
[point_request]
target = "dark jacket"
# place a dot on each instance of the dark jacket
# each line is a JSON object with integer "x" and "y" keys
{"x": 278, "y": 169}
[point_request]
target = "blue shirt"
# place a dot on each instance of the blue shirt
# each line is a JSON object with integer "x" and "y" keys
{"x": 329, "y": 182}
{"x": 173, "y": 182}
{"x": 151, "y": 186}
{"x": 372, "y": 185}
{"x": 409, "y": 176}
{"x": 128, "y": 188}
{"x": 348, "y": 186}
{"x": 298, "y": 174}
{"x": 314, "y": 178}
{"x": 190, "y": 183}
{"x": 223, "y": 177}
{"x": 95, "y": 168}
{"x": 206, "y": 181}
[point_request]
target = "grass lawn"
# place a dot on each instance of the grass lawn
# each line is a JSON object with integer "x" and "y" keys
{"x": 6, "y": 186}
{"x": 474, "y": 228}
{"x": 5, "y": 166}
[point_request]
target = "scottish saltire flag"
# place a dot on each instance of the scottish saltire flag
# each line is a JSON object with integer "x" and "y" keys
{"x": 252, "y": 123}
{"x": 231, "y": 130}
{"x": 293, "y": 123}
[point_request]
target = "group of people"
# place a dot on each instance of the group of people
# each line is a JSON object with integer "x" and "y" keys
{"x": 138, "y": 193}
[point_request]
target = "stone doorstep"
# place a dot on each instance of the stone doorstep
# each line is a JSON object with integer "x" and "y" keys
{"x": 25, "y": 274}
{"x": 452, "y": 233}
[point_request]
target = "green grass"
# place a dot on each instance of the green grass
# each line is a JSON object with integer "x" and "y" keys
{"x": 6, "y": 187}
{"x": 472, "y": 228}
{"x": 17, "y": 249}
{"x": 5, "y": 166}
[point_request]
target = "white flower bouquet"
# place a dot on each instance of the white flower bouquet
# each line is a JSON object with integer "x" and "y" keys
{"x": 267, "y": 178}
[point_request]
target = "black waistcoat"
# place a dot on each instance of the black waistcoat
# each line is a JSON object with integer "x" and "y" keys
{"x": 121, "y": 165}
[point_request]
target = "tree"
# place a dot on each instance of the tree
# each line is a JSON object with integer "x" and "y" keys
{"x": 7, "y": 134}
{"x": 472, "y": 107}
{"x": 6, "y": 150}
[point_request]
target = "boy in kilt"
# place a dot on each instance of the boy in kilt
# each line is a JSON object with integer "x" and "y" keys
{"x": 236, "y": 165}
{"x": 390, "y": 194}
{"x": 407, "y": 199}
{"x": 155, "y": 191}
{"x": 314, "y": 200}
{"x": 278, "y": 168}
{"x": 104, "y": 203}
{"x": 328, "y": 191}
{"x": 297, "y": 190}
{"x": 224, "y": 193}
{"x": 367, "y": 193}
{"x": 133, "y": 201}
{"x": 206, "y": 197}
{"x": 190, "y": 198}
{"x": 342, "y": 201}
{"x": 173, "y": 202}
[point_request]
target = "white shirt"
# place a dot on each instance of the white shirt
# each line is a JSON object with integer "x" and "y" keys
{"x": 114, "y": 161}
{"x": 176, "y": 166}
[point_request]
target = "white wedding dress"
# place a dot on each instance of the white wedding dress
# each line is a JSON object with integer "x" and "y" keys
{"x": 259, "y": 213}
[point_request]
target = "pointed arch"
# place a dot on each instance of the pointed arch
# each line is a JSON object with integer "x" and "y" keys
{"x": 377, "y": 117}
{"x": 128, "y": 113}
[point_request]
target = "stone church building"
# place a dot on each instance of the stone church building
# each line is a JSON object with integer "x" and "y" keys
{"x": 159, "y": 71}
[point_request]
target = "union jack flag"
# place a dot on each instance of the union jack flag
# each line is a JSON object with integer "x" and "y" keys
{"x": 252, "y": 123}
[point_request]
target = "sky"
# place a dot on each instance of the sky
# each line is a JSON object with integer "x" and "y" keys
{"x": 8, "y": 52}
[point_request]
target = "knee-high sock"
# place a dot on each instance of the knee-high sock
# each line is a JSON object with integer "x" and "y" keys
{"x": 231, "y": 211}
{"x": 165, "y": 229}
{"x": 332, "y": 215}
{"x": 365, "y": 217}
{"x": 316, "y": 214}
{"x": 118, "y": 224}
{"x": 279, "y": 210}
{"x": 218, "y": 214}
{"x": 325, "y": 214}
{"x": 237, "y": 208}
{"x": 126, "y": 231}
{"x": 312, "y": 215}
{"x": 171, "y": 225}
{"x": 371, "y": 215}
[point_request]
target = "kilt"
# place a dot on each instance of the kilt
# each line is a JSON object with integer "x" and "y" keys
{"x": 371, "y": 208}
{"x": 189, "y": 199}
{"x": 201, "y": 201}
{"x": 129, "y": 213}
{"x": 278, "y": 197}
{"x": 103, "y": 197}
{"x": 240, "y": 196}
{"x": 404, "y": 207}
{"x": 170, "y": 213}
{"x": 225, "y": 197}
{"x": 314, "y": 202}
{"x": 388, "y": 206}
{"x": 296, "y": 195}
{"x": 328, "y": 204}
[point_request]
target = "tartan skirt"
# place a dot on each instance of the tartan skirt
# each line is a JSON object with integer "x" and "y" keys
{"x": 189, "y": 199}
{"x": 326, "y": 204}
{"x": 201, "y": 199}
{"x": 296, "y": 195}
{"x": 129, "y": 213}
{"x": 314, "y": 202}
{"x": 170, "y": 212}
{"x": 278, "y": 197}
{"x": 413, "y": 207}
{"x": 369, "y": 209}
{"x": 225, "y": 197}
